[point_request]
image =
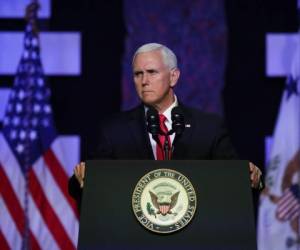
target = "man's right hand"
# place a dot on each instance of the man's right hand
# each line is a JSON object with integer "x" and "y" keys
{"x": 79, "y": 171}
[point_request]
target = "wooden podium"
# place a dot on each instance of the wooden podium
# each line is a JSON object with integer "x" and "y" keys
{"x": 224, "y": 217}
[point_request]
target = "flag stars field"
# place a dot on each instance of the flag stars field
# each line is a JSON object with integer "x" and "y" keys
{"x": 21, "y": 95}
{"x": 20, "y": 148}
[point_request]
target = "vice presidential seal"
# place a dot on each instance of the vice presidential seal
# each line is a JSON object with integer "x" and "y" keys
{"x": 164, "y": 201}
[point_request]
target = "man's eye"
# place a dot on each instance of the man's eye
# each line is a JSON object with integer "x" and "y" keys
{"x": 137, "y": 74}
{"x": 152, "y": 72}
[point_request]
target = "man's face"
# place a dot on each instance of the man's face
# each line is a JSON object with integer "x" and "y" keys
{"x": 154, "y": 80}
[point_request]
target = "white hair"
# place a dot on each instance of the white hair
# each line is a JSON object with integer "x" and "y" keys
{"x": 168, "y": 55}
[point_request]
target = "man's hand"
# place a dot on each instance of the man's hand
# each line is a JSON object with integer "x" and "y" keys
{"x": 79, "y": 171}
{"x": 255, "y": 175}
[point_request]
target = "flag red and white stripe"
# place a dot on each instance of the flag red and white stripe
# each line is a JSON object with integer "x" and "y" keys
{"x": 288, "y": 206}
{"x": 53, "y": 218}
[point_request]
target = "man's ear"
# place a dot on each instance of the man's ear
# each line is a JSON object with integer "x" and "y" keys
{"x": 174, "y": 76}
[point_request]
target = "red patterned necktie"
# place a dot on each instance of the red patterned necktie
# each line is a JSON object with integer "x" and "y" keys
{"x": 162, "y": 138}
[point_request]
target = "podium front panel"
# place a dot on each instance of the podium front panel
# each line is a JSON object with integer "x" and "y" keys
{"x": 224, "y": 217}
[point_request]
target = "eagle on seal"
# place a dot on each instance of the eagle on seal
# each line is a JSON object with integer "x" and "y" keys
{"x": 164, "y": 204}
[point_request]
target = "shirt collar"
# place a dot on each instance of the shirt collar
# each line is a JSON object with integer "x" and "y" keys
{"x": 167, "y": 112}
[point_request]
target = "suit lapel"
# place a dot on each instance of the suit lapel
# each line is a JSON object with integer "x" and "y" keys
{"x": 181, "y": 143}
{"x": 138, "y": 130}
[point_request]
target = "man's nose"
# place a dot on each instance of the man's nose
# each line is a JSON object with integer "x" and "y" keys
{"x": 145, "y": 79}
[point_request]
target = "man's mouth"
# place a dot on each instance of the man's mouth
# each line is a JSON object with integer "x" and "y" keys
{"x": 147, "y": 91}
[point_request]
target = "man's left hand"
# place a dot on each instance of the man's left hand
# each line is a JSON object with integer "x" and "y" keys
{"x": 255, "y": 175}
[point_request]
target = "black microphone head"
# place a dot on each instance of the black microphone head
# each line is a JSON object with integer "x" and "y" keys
{"x": 177, "y": 117}
{"x": 152, "y": 121}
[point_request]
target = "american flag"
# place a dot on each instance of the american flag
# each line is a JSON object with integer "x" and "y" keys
{"x": 288, "y": 207}
{"x": 36, "y": 211}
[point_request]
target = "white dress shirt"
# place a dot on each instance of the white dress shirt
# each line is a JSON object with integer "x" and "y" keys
{"x": 168, "y": 123}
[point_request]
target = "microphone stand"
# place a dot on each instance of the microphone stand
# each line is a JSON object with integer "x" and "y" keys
{"x": 166, "y": 148}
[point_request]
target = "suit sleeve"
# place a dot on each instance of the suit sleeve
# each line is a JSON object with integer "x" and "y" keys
{"x": 74, "y": 190}
{"x": 222, "y": 148}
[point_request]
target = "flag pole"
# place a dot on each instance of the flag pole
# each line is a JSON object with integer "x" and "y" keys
{"x": 31, "y": 26}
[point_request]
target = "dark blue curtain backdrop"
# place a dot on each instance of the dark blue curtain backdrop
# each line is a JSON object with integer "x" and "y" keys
{"x": 195, "y": 30}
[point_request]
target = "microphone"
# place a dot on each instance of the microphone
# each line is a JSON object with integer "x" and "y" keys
{"x": 153, "y": 122}
{"x": 153, "y": 127}
{"x": 177, "y": 117}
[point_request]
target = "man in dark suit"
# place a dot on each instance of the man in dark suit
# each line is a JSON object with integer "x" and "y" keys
{"x": 125, "y": 136}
